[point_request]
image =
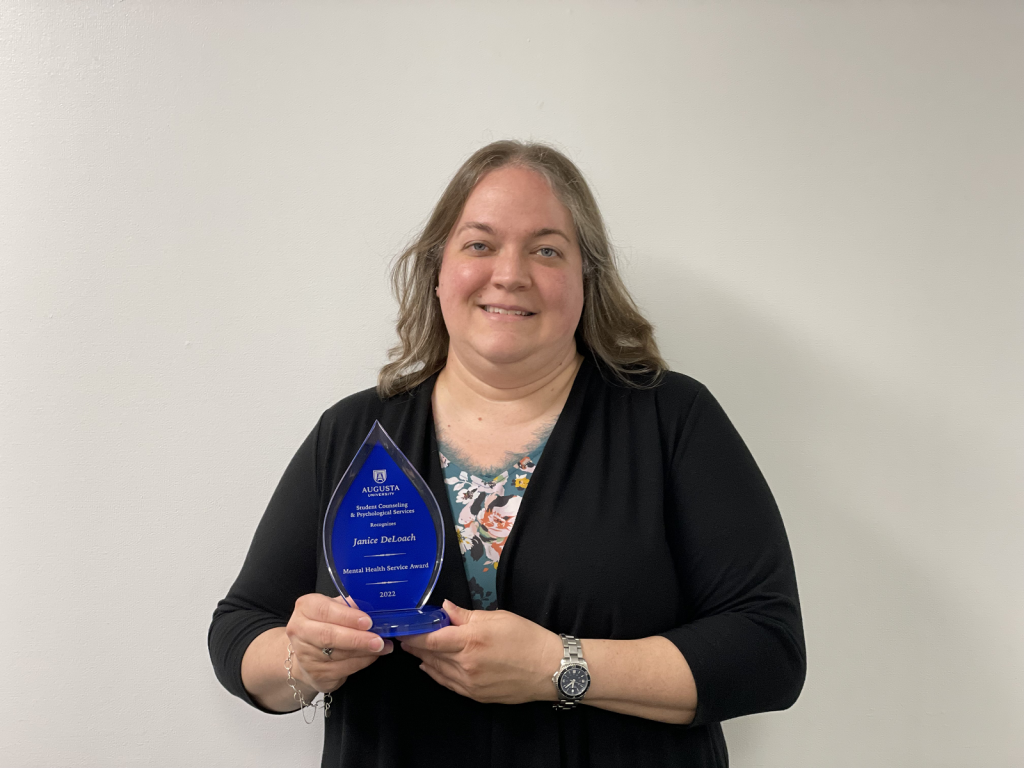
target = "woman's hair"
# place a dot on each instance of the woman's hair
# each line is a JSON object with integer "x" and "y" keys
{"x": 611, "y": 326}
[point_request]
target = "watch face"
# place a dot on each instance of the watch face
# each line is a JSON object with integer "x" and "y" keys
{"x": 574, "y": 681}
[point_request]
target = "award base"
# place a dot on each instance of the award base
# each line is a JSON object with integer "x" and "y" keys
{"x": 408, "y": 621}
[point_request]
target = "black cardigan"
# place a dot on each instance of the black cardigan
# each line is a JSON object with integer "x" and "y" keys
{"x": 646, "y": 516}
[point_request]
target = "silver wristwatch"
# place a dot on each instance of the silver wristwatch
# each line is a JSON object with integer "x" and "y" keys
{"x": 572, "y": 680}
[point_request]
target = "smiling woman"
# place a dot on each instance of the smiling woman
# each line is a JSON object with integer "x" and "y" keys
{"x": 568, "y": 222}
{"x": 511, "y": 280}
{"x": 611, "y": 542}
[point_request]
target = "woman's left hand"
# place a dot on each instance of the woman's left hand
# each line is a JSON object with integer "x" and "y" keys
{"x": 490, "y": 656}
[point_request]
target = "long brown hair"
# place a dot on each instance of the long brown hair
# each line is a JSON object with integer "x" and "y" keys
{"x": 611, "y": 326}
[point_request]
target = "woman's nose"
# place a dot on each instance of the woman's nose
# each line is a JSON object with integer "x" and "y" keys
{"x": 511, "y": 269}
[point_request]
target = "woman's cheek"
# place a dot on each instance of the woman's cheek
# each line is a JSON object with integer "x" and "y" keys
{"x": 464, "y": 281}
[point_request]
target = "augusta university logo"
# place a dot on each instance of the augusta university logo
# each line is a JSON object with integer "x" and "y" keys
{"x": 380, "y": 475}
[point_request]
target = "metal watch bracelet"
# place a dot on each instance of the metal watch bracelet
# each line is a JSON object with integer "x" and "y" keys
{"x": 572, "y": 656}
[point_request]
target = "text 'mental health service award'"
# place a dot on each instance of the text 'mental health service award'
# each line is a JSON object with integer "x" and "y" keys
{"x": 384, "y": 539}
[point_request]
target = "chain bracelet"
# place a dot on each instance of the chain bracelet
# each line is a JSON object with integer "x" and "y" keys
{"x": 324, "y": 704}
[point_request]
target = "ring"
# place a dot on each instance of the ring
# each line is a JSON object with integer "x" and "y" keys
{"x": 327, "y": 652}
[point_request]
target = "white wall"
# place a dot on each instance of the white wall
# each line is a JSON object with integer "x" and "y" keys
{"x": 818, "y": 204}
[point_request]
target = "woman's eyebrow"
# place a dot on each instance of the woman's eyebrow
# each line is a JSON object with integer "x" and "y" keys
{"x": 477, "y": 225}
{"x": 548, "y": 231}
{"x": 533, "y": 235}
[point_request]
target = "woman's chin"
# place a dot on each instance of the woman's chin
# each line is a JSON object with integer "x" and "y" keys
{"x": 510, "y": 351}
{"x": 506, "y": 355}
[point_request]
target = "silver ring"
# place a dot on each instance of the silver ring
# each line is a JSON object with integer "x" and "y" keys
{"x": 327, "y": 652}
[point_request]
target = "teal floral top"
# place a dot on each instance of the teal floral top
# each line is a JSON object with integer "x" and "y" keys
{"x": 484, "y": 512}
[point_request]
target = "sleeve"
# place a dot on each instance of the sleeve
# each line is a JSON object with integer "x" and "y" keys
{"x": 744, "y": 637}
{"x": 279, "y": 568}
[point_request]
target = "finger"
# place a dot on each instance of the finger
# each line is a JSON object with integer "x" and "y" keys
{"x": 457, "y": 614}
{"x": 326, "y": 674}
{"x": 328, "y": 658}
{"x": 326, "y": 610}
{"x": 320, "y": 636}
{"x": 446, "y": 640}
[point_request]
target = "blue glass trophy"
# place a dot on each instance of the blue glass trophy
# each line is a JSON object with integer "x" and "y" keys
{"x": 384, "y": 539}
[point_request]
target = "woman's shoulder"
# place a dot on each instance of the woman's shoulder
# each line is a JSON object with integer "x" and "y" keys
{"x": 357, "y": 402}
{"x": 675, "y": 384}
{"x": 667, "y": 405}
{"x": 663, "y": 387}
{"x": 370, "y": 400}
{"x": 351, "y": 418}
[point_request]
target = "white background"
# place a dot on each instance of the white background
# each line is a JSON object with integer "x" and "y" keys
{"x": 819, "y": 205}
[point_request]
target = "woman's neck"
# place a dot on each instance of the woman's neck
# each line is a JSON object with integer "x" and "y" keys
{"x": 519, "y": 397}
{"x": 483, "y": 424}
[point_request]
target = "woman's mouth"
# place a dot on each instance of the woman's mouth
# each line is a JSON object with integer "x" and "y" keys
{"x": 496, "y": 310}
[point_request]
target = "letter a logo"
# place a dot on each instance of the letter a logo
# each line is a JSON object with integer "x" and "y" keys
{"x": 380, "y": 475}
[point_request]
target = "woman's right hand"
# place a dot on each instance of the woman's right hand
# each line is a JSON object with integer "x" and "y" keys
{"x": 320, "y": 622}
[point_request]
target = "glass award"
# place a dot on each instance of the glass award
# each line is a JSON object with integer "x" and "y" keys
{"x": 384, "y": 539}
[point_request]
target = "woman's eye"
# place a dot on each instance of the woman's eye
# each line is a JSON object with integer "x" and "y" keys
{"x": 478, "y": 247}
{"x": 547, "y": 253}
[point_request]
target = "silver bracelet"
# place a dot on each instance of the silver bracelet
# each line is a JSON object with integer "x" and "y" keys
{"x": 324, "y": 704}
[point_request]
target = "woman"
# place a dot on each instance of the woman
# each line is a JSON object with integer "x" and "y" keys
{"x": 594, "y": 495}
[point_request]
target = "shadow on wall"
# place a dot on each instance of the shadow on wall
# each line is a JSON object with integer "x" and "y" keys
{"x": 891, "y": 510}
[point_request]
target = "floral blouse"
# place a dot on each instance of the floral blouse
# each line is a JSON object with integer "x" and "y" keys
{"x": 484, "y": 512}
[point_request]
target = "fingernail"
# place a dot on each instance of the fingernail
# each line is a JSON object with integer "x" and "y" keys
{"x": 390, "y": 647}
{"x": 365, "y": 622}
{"x": 377, "y": 645}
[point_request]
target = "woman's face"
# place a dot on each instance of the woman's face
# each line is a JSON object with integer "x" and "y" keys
{"x": 511, "y": 280}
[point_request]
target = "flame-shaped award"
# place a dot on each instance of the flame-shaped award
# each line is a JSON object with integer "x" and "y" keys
{"x": 384, "y": 539}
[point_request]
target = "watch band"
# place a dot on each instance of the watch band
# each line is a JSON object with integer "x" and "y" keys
{"x": 572, "y": 655}
{"x": 572, "y": 649}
